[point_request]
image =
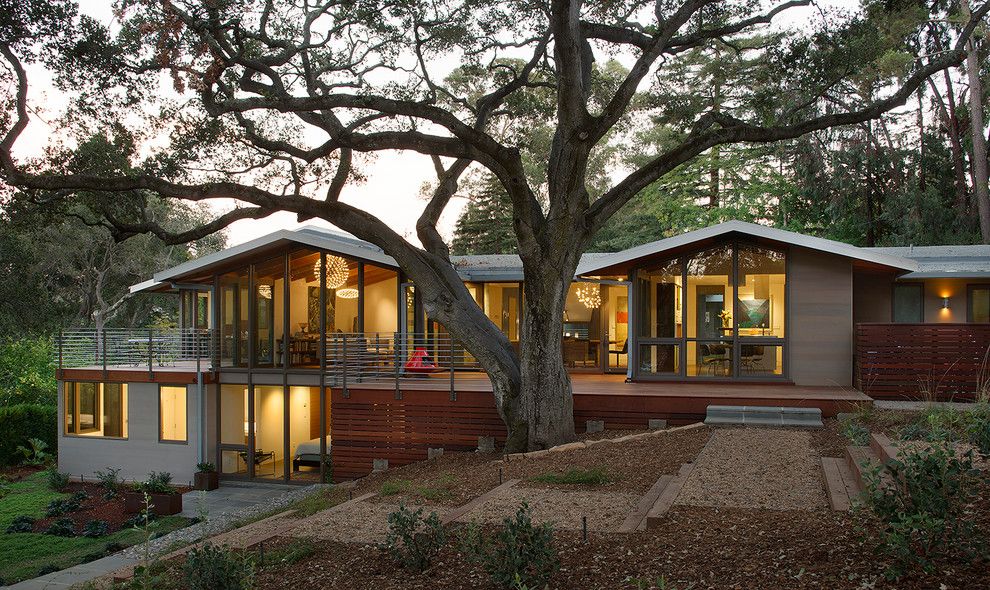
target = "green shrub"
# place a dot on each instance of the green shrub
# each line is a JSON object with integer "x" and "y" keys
{"x": 520, "y": 554}
{"x": 591, "y": 477}
{"x": 20, "y": 422}
{"x": 109, "y": 482}
{"x": 63, "y": 527}
{"x": 57, "y": 507}
{"x": 158, "y": 482}
{"x": 217, "y": 568}
{"x": 413, "y": 541}
{"x": 913, "y": 431}
{"x": 140, "y": 519}
{"x": 34, "y": 454}
{"x": 21, "y": 524}
{"x": 978, "y": 429}
{"x": 57, "y": 481}
{"x": 206, "y": 467}
{"x": 922, "y": 502}
{"x": 96, "y": 528}
{"x": 855, "y": 432}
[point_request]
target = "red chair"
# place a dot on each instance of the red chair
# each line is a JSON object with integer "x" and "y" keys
{"x": 421, "y": 363}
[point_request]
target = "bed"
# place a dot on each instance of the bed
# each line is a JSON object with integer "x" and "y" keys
{"x": 308, "y": 454}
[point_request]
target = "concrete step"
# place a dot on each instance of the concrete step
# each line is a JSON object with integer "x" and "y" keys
{"x": 765, "y": 416}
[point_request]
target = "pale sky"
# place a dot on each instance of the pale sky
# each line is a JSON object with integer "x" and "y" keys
{"x": 394, "y": 180}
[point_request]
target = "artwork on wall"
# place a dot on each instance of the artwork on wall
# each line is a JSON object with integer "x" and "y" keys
{"x": 754, "y": 313}
{"x": 314, "y": 310}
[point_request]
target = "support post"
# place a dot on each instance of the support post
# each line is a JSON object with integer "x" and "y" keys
{"x": 344, "y": 363}
{"x": 151, "y": 353}
{"x": 398, "y": 362}
{"x": 453, "y": 392}
{"x": 103, "y": 337}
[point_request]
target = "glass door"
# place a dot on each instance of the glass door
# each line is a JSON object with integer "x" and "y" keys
{"x": 615, "y": 327}
{"x": 710, "y": 332}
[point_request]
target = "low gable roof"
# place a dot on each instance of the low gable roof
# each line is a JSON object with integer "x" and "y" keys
{"x": 632, "y": 255}
{"x": 961, "y": 261}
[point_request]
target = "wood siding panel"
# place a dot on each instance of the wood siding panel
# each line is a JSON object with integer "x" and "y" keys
{"x": 916, "y": 361}
{"x": 820, "y": 322}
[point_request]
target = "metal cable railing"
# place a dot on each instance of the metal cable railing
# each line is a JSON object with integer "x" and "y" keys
{"x": 151, "y": 348}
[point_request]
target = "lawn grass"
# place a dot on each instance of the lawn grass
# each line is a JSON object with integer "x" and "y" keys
{"x": 24, "y": 555}
{"x": 595, "y": 476}
{"x": 313, "y": 503}
{"x": 394, "y": 487}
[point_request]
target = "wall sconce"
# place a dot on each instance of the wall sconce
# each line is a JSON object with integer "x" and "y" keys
{"x": 945, "y": 303}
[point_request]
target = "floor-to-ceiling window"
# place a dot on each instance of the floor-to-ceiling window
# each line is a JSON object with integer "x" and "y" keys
{"x": 718, "y": 313}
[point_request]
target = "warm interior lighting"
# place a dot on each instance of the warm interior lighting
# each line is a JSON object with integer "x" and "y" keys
{"x": 337, "y": 271}
{"x": 589, "y": 295}
{"x": 265, "y": 291}
{"x": 348, "y": 293}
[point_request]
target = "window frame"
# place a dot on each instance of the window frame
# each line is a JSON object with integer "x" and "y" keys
{"x": 71, "y": 388}
{"x": 171, "y": 441}
{"x": 920, "y": 286}
{"x": 969, "y": 299}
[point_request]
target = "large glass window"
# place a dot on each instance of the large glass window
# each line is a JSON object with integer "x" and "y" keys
{"x": 582, "y": 335}
{"x": 234, "y": 307}
{"x": 269, "y": 304}
{"x": 172, "y": 417}
{"x": 978, "y": 304}
{"x": 96, "y": 409}
{"x": 503, "y": 306}
{"x": 907, "y": 302}
{"x": 717, "y": 313}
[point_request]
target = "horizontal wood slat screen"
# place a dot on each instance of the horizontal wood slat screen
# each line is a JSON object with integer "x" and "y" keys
{"x": 918, "y": 361}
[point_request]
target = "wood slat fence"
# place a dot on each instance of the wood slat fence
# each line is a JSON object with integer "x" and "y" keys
{"x": 923, "y": 361}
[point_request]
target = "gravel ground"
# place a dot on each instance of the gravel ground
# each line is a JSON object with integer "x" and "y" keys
{"x": 605, "y": 510}
{"x": 361, "y": 522}
{"x": 219, "y": 523}
{"x": 757, "y": 468}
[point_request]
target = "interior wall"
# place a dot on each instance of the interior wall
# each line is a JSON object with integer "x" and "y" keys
{"x": 820, "y": 334}
{"x": 380, "y": 306}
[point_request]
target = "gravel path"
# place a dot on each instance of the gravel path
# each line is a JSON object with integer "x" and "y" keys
{"x": 361, "y": 522}
{"x": 756, "y": 468}
{"x": 219, "y": 523}
{"x": 605, "y": 510}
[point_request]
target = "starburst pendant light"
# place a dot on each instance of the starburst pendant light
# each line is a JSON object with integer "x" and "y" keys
{"x": 337, "y": 271}
{"x": 589, "y": 296}
{"x": 348, "y": 293}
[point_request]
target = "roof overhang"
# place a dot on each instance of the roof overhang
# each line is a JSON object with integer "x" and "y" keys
{"x": 674, "y": 245}
{"x": 312, "y": 237}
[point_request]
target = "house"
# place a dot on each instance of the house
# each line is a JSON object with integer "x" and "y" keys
{"x": 309, "y": 345}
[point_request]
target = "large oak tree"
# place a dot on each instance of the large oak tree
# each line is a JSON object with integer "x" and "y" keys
{"x": 276, "y": 104}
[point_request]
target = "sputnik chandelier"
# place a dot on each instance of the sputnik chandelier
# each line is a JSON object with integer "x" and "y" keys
{"x": 589, "y": 295}
{"x": 337, "y": 271}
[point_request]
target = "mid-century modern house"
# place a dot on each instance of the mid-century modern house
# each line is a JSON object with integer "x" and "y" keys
{"x": 308, "y": 350}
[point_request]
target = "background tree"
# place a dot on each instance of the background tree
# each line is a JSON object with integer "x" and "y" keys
{"x": 276, "y": 102}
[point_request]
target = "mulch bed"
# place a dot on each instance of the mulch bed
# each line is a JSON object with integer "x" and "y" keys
{"x": 94, "y": 508}
{"x": 15, "y": 474}
{"x": 632, "y": 467}
{"x": 828, "y": 441}
{"x": 706, "y": 547}
{"x": 459, "y": 477}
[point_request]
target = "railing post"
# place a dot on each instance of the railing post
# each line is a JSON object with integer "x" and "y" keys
{"x": 453, "y": 392}
{"x": 103, "y": 336}
{"x": 61, "y": 337}
{"x": 398, "y": 362}
{"x": 344, "y": 362}
{"x": 151, "y": 354}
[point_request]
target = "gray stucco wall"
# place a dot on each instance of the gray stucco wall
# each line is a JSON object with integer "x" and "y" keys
{"x": 140, "y": 452}
{"x": 820, "y": 324}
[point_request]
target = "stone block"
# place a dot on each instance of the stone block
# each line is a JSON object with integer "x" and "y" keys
{"x": 379, "y": 465}
{"x": 592, "y": 426}
{"x": 486, "y": 444}
{"x": 434, "y": 453}
{"x": 657, "y": 424}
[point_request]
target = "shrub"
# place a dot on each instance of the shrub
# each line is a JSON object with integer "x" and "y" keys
{"x": 21, "y": 524}
{"x": 913, "y": 431}
{"x": 34, "y": 454}
{"x": 158, "y": 482}
{"x": 109, "y": 482}
{"x": 592, "y": 477}
{"x": 57, "y": 481}
{"x": 855, "y": 432}
{"x": 96, "y": 528}
{"x": 63, "y": 527}
{"x": 20, "y": 422}
{"x": 978, "y": 429}
{"x": 521, "y": 554}
{"x": 57, "y": 507}
{"x": 78, "y": 497}
{"x": 27, "y": 371}
{"x": 413, "y": 541}
{"x": 206, "y": 467}
{"x": 217, "y": 568}
{"x": 921, "y": 501}
{"x": 140, "y": 519}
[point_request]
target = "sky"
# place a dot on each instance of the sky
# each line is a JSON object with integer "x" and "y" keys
{"x": 393, "y": 181}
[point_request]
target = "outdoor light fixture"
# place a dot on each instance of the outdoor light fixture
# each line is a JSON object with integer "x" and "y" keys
{"x": 337, "y": 271}
{"x": 589, "y": 295}
{"x": 945, "y": 303}
{"x": 348, "y": 293}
